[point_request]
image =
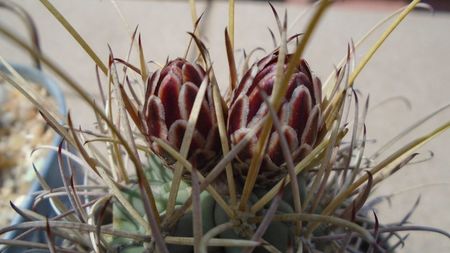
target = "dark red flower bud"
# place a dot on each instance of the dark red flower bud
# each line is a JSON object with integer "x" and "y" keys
{"x": 169, "y": 98}
{"x": 300, "y": 116}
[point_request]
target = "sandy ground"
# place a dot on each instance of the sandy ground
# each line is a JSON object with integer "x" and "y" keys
{"x": 414, "y": 64}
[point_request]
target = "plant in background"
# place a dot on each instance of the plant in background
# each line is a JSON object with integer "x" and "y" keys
{"x": 274, "y": 166}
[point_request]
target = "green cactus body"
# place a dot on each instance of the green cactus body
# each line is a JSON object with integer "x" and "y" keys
{"x": 160, "y": 179}
{"x": 278, "y": 234}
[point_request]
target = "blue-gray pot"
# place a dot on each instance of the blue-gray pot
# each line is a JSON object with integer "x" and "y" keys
{"x": 49, "y": 170}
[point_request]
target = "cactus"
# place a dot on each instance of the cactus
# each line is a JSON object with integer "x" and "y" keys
{"x": 267, "y": 168}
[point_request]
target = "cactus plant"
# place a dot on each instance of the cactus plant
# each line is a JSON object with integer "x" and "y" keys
{"x": 270, "y": 167}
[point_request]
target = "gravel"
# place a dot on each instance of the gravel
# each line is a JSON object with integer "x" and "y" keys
{"x": 22, "y": 130}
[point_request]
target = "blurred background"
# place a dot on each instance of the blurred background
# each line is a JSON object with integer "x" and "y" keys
{"x": 413, "y": 64}
{"x": 438, "y": 5}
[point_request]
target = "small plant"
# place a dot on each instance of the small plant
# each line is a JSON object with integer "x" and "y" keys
{"x": 274, "y": 165}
